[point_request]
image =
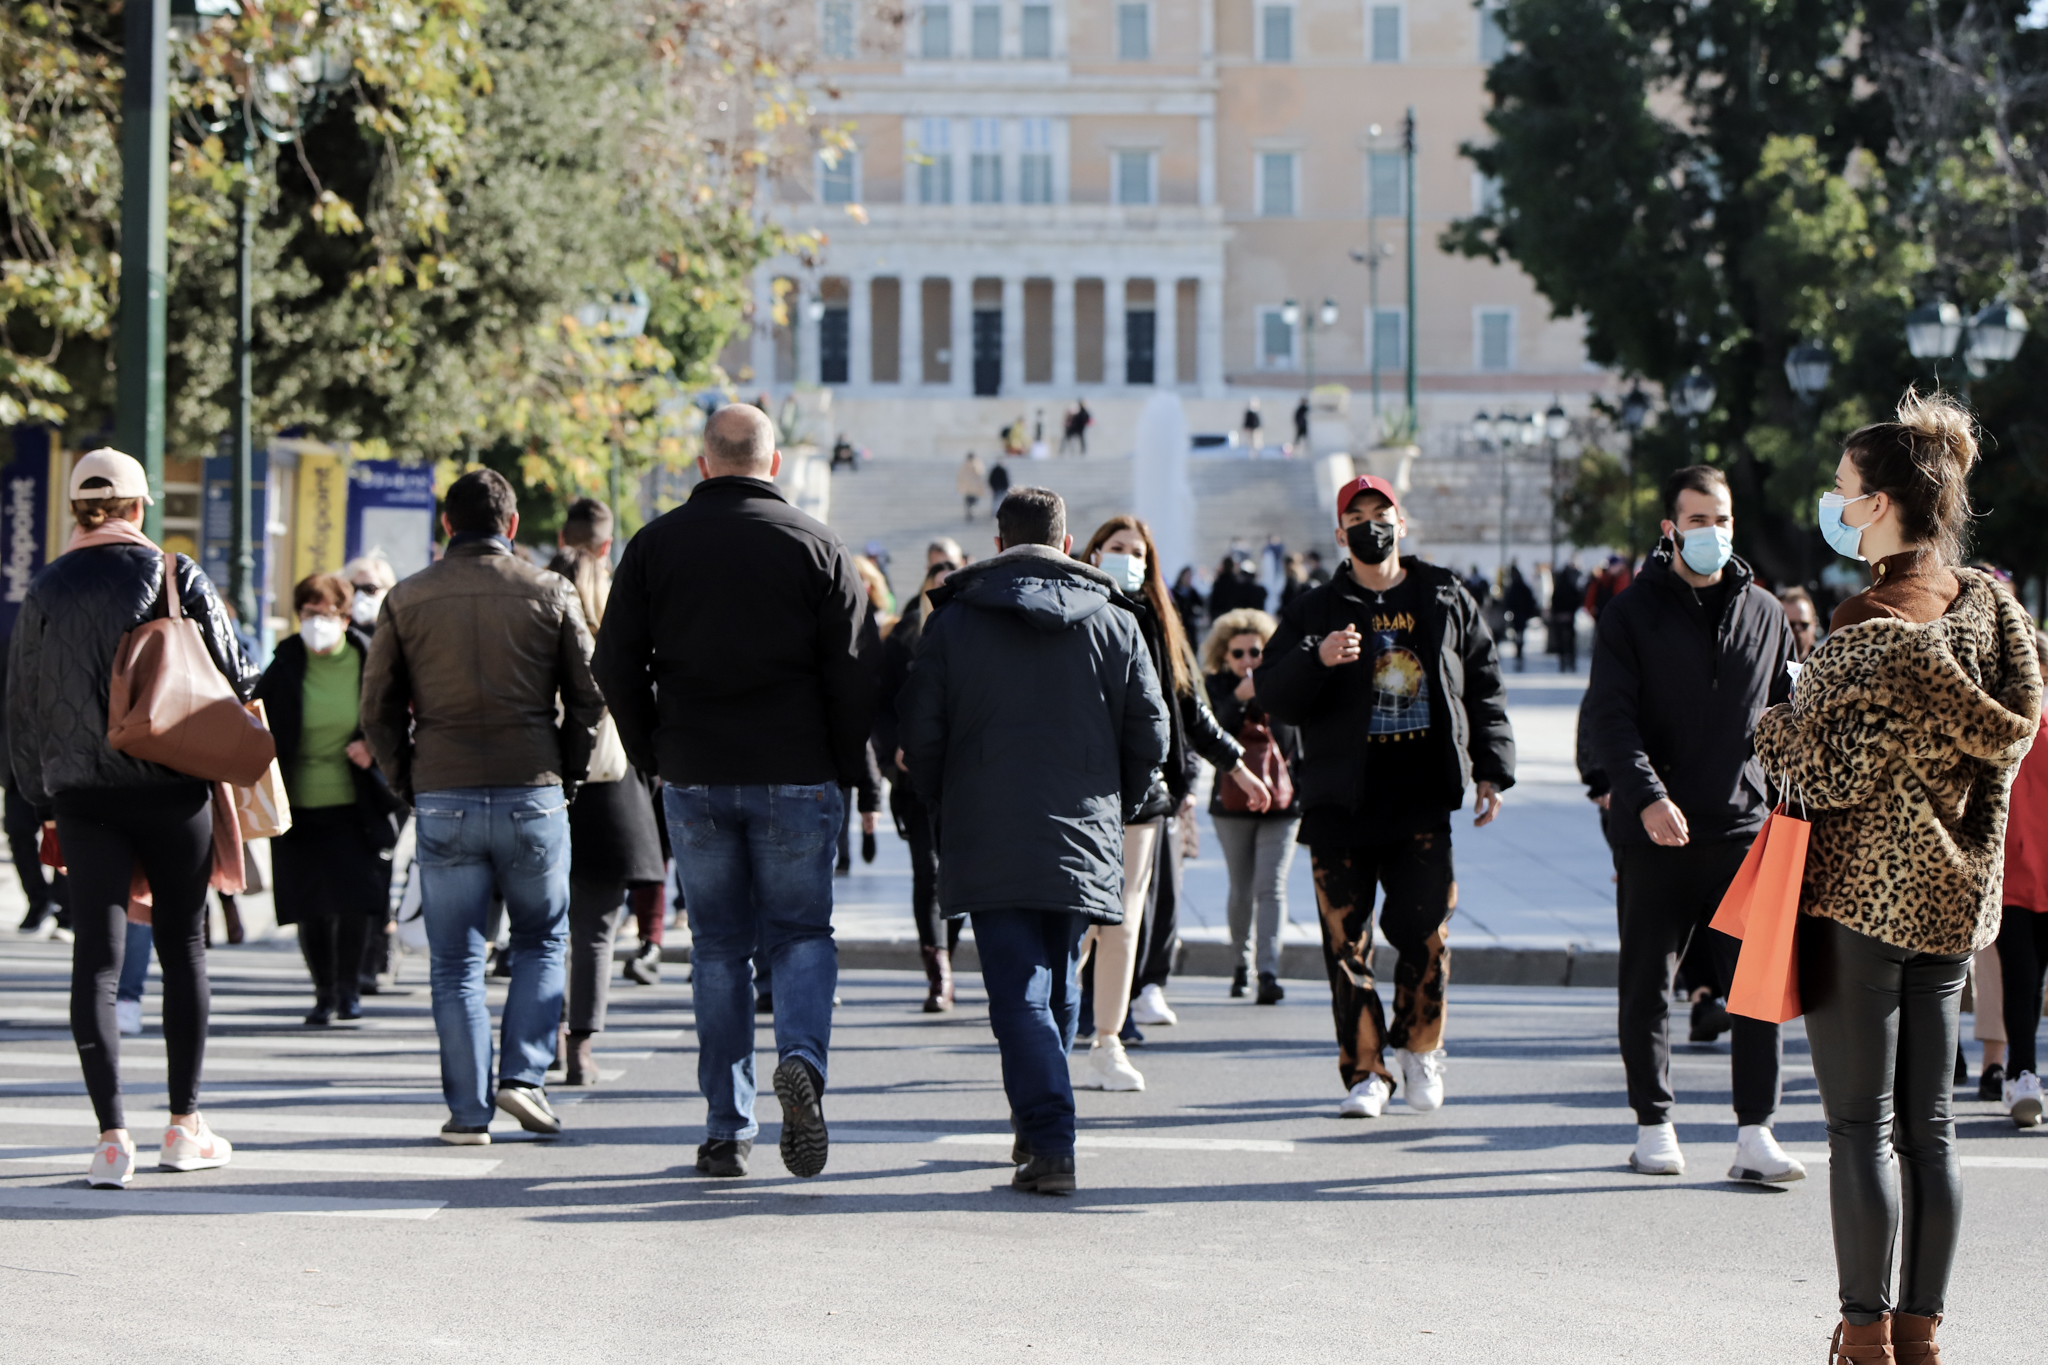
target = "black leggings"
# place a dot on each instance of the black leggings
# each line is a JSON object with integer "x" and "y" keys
{"x": 105, "y": 834}
{"x": 1882, "y": 1025}
{"x": 913, "y": 821}
{"x": 597, "y": 906}
{"x": 2022, "y": 963}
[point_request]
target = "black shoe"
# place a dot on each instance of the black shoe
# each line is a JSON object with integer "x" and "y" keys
{"x": 366, "y": 984}
{"x": 1270, "y": 991}
{"x": 1019, "y": 1152}
{"x": 33, "y": 920}
{"x": 501, "y": 965}
{"x": 764, "y": 1003}
{"x": 1239, "y": 981}
{"x": 645, "y": 965}
{"x": 349, "y": 1009}
{"x": 1045, "y": 1175}
{"x": 464, "y": 1135}
{"x": 1131, "y": 1035}
{"x": 1962, "y": 1066}
{"x": 867, "y": 847}
{"x": 529, "y": 1104}
{"x": 844, "y": 867}
{"x": 1709, "y": 1020}
{"x": 320, "y": 1015}
{"x": 1991, "y": 1084}
{"x": 804, "y": 1140}
{"x": 725, "y": 1157}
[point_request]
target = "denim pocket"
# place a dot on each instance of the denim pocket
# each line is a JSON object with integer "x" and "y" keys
{"x": 540, "y": 839}
{"x": 689, "y": 815}
{"x": 802, "y": 820}
{"x": 439, "y": 835}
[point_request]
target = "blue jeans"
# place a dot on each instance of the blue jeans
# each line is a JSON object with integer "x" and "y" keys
{"x": 135, "y": 963}
{"x": 514, "y": 840}
{"x": 756, "y": 868}
{"x": 1028, "y": 962}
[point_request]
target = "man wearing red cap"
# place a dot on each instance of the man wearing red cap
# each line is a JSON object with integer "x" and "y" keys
{"x": 1391, "y": 676}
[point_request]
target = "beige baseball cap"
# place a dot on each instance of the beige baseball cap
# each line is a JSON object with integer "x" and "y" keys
{"x": 123, "y": 473}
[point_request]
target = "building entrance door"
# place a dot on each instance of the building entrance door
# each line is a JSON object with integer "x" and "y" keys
{"x": 1139, "y": 346}
{"x": 988, "y": 353}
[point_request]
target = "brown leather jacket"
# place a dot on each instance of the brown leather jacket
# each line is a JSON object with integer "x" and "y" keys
{"x": 464, "y": 669}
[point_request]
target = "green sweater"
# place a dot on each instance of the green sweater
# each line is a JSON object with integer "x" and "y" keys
{"x": 320, "y": 774}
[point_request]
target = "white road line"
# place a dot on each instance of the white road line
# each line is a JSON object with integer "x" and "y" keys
{"x": 1106, "y": 1141}
{"x": 244, "y": 1121}
{"x": 273, "y": 1066}
{"x": 133, "y": 1201}
{"x": 1993, "y": 1163}
{"x": 316, "y": 1163}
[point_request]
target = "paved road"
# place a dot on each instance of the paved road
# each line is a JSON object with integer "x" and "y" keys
{"x": 1223, "y": 1215}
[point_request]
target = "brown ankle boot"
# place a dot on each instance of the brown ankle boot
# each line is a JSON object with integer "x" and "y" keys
{"x": 1853, "y": 1343}
{"x": 581, "y": 1068}
{"x": 938, "y": 972}
{"x": 1913, "y": 1339}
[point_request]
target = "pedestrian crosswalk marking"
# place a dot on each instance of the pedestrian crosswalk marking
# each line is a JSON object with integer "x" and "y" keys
{"x": 310, "y": 1163}
{"x": 133, "y": 1201}
{"x": 1104, "y": 1141}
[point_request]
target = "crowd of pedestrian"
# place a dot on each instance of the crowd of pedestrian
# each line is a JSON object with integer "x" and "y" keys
{"x": 1042, "y": 720}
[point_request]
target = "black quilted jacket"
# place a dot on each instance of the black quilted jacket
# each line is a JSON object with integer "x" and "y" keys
{"x": 61, "y": 662}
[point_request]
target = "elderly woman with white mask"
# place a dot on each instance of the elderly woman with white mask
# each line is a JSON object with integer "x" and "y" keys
{"x": 332, "y": 868}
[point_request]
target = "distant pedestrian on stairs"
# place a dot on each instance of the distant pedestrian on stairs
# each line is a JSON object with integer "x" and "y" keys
{"x": 998, "y": 485}
{"x": 970, "y": 480}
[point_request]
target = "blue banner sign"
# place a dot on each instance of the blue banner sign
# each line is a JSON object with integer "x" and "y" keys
{"x": 391, "y": 512}
{"x": 24, "y": 519}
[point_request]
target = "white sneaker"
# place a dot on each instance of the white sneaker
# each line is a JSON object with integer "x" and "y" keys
{"x": 1366, "y": 1100}
{"x": 1108, "y": 1068}
{"x": 193, "y": 1149}
{"x": 128, "y": 1017}
{"x": 1422, "y": 1077}
{"x": 2023, "y": 1100}
{"x": 111, "y": 1167}
{"x": 1657, "y": 1151}
{"x": 1151, "y": 1008}
{"x": 1760, "y": 1160}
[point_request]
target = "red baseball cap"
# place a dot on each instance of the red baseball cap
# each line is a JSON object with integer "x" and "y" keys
{"x": 1365, "y": 483}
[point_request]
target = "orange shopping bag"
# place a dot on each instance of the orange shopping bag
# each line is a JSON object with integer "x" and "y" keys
{"x": 1762, "y": 909}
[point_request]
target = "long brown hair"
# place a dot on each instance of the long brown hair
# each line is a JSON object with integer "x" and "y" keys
{"x": 592, "y": 575}
{"x": 1179, "y": 658}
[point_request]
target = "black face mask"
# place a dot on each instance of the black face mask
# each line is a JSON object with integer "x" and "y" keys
{"x": 1370, "y": 542}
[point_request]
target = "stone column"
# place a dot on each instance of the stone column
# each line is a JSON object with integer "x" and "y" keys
{"x": 1013, "y": 335}
{"x": 1209, "y": 338}
{"x": 962, "y": 345}
{"x": 761, "y": 340}
{"x": 1165, "y": 331}
{"x": 801, "y": 299}
{"x": 1113, "y": 306}
{"x": 1063, "y": 335}
{"x": 910, "y": 329}
{"x": 859, "y": 332}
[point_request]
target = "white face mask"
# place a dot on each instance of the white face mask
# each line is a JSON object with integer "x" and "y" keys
{"x": 363, "y": 608}
{"x": 321, "y": 633}
{"x": 1127, "y": 570}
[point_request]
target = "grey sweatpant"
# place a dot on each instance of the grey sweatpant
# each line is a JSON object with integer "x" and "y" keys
{"x": 1258, "y": 850}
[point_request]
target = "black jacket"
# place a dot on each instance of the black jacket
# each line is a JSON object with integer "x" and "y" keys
{"x": 1194, "y": 733}
{"x": 282, "y": 690}
{"x": 61, "y": 663}
{"x": 1672, "y": 703}
{"x": 1332, "y": 706}
{"x": 730, "y": 648}
{"x": 1033, "y": 725}
{"x": 1231, "y": 715}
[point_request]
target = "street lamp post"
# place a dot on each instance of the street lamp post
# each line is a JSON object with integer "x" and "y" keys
{"x": 1408, "y": 149}
{"x": 145, "y": 196}
{"x": 1556, "y": 426}
{"x": 1635, "y": 411}
{"x": 624, "y": 316}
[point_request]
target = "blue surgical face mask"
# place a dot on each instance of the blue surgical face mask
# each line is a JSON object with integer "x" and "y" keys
{"x": 1842, "y": 537}
{"x": 1706, "y": 548}
{"x": 1127, "y": 570}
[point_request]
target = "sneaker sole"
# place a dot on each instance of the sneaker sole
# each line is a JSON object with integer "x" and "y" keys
{"x": 1748, "y": 1176}
{"x": 467, "y": 1139}
{"x": 805, "y": 1141}
{"x": 194, "y": 1163}
{"x": 1641, "y": 1169}
{"x": 2026, "y": 1114}
{"x": 1424, "y": 1105}
{"x": 1356, "y": 1114}
{"x": 1061, "y": 1183}
{"x": 531, "y": 1116}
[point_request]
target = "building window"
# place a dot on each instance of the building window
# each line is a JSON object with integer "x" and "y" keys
{"x": 935, "y": 33}
{"x": 988, "y": 33}
{"x": 1386, "y": 184}
{"x": 1034, "y": 164}
{"x": 836, "y": 181}
{"x": 1134, "y": 177}
{"x": 1276, "y": 185}
{"x": 935, "y": 162}
{"x": 1389, "y": 332}
{"x": 1036, "y": 31}
{"x": 1276, "y": 340}
{"x": 1495, "y": 329}
{"x": 1386, "y": 33}
{"x": 1485, "y": 193}
{"x": 835, "y": 29}
{"x": 985, "y": 163}
{"x": 1493, "y": 39}
{"x": 1276, "y": 33}
{"x": 1133, "y": 33}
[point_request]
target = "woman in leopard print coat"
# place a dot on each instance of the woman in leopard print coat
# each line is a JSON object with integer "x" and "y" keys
{"x": 1902, "y": 740}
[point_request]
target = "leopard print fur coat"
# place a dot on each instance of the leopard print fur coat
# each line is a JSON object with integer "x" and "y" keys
{"x": 1903, "y": 739}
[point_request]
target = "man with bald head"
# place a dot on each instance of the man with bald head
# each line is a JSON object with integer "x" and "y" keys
{"x": 730, "y": 659}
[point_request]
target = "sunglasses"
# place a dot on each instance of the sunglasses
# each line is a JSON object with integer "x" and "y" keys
{"x": 1252, "y": 653}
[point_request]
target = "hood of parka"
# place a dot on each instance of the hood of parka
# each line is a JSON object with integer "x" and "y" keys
{"x": 1051, "y": 590}
{"x": 1950, "y": 678}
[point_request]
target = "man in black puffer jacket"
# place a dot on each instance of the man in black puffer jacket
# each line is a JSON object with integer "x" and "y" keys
{"x": 1392, "y": 677}
{"x": 1033, "y": 724}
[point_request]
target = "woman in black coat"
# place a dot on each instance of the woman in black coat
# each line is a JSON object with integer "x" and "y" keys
{"x": 1140, "y": 949}
{"x": 613, "y": 839}
{"x": 332, "y": 868}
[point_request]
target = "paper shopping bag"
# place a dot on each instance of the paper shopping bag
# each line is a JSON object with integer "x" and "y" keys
{"x": 262, "y": 808}
{"x": 1732, "y": 918}
{"x": 1766, "y": 982}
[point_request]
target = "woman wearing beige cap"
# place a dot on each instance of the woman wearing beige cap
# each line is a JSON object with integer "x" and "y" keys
{"x": 115, "y": 813}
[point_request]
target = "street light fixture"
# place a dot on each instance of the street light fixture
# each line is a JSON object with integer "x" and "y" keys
{"x": 1329, "y": 312}
{"x": 1556, "y": 423}
{"x": 1290, "y": 312}
{"x": 1504, "y": 429}
{"x": 1933, "y": 329}
{"x": 1806, "y": 369}
{"x": 1996, "y": 334}
{"x": 1482, "y": 427}
{"x": 1635, "y": 409}
{"x": 1694, "y": 395}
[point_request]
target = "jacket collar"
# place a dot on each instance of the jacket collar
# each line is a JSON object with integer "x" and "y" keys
{"x": 736, "y": 486}
{"x": 473, "y": 543}
{"x": 1431, "y": 577}
{"x": 1659, "y": 571}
